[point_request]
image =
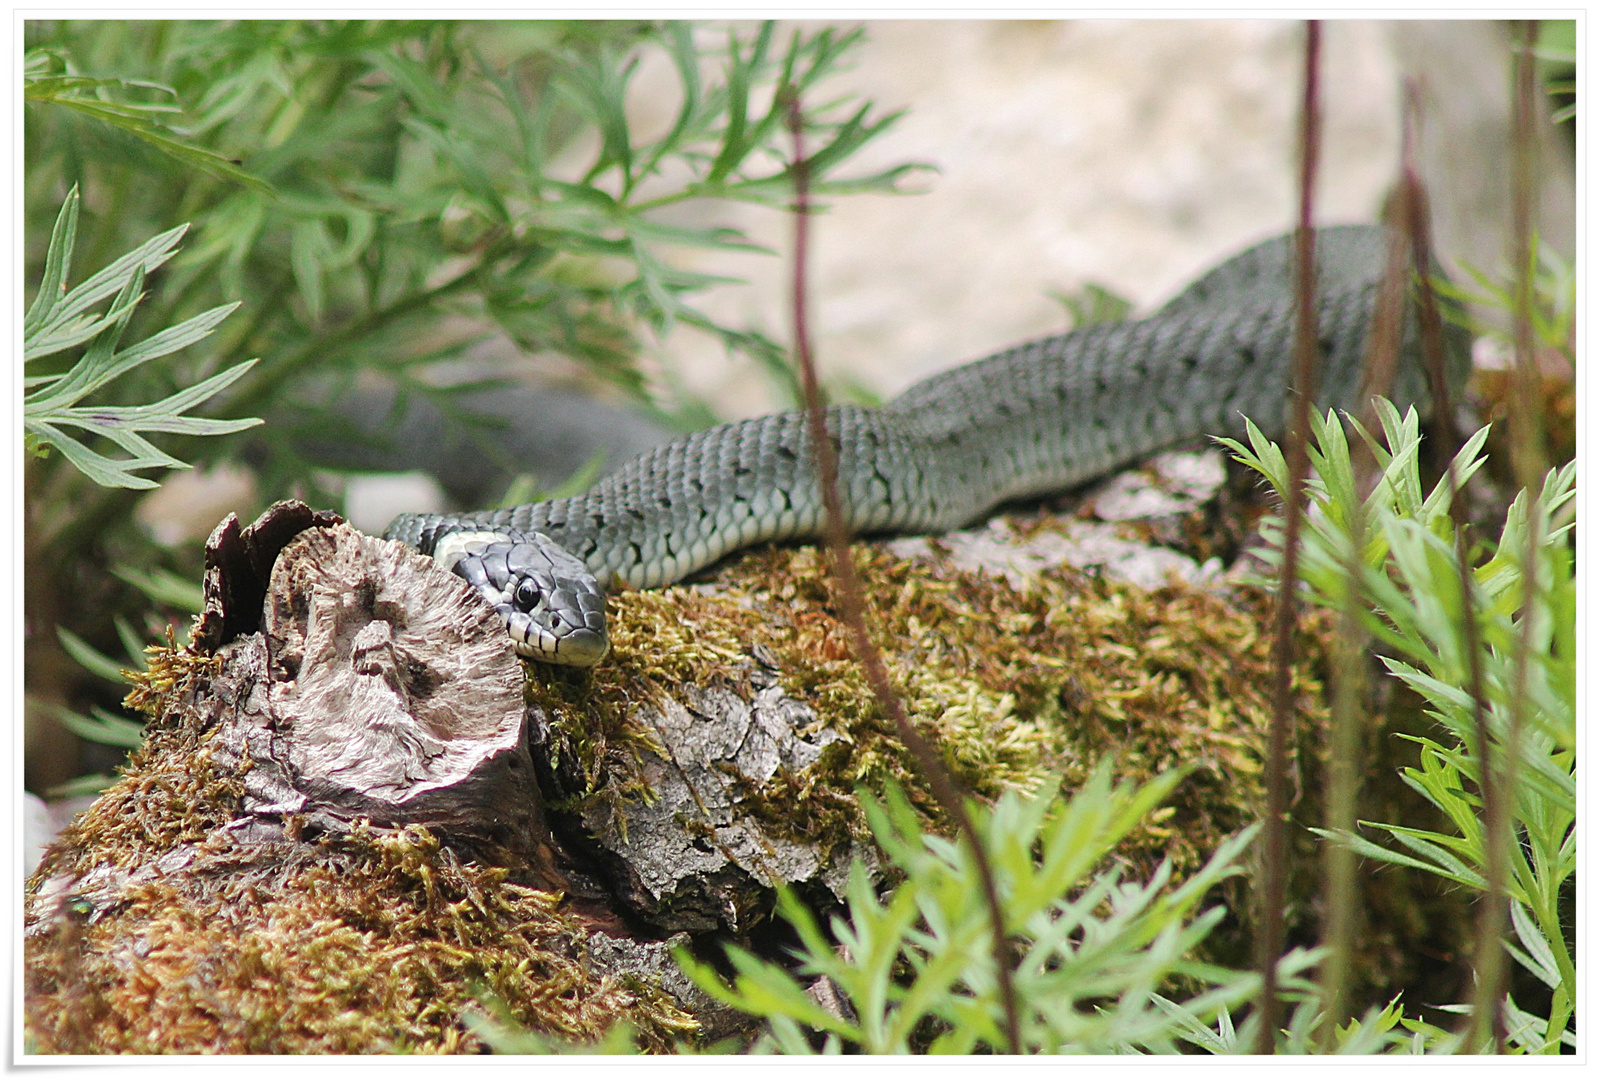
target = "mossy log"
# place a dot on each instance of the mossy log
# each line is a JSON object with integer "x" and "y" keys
{"x": 358, "y": 818}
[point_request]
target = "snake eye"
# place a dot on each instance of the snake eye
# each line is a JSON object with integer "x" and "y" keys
{"x": 527, "y": 595}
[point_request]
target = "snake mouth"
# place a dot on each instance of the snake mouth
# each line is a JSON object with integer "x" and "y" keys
{"x": 577, "y": 648}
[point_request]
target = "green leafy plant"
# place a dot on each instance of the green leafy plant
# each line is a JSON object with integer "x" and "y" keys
{"x": 101, "y": 725}
{"x": 1380, "y": 1030}
{"x": 380, "y": 196}
{"x": 914, "y": 968}
{"x": 59, "y": 320}
{"x": 47, "y": 78}
{"x": 1375, "y": 1032}
{"x": 1557, "y": 48}
{"x": 161, "y": 587}
{"x": 1555, "y": 284}
{"x": 486, "y": 171}
{"x": 1091, "y": 305}
{"x": 404, "y": 190}
{"x": 1409, "y": 585}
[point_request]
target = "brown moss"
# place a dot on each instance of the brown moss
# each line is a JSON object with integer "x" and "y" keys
{"x": 372, "y": 945}
{"x": 380, "y": 940}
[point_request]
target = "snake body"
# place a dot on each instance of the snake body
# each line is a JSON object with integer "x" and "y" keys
{"x": 1041, "y": 417}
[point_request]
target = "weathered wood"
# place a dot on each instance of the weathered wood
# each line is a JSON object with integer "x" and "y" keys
{"x": 690, "y": 856}
{"x": 379, "y": 688}
{"x": 342, "y": 695}
{"x": 239, "y": 561}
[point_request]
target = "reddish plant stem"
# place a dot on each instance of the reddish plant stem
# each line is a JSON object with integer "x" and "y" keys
{"x": 1443, "y": 440}
{"x": 1342, "y": 908}
{"x": 1382, "y": 358}
{"x": 1275, "y": 839}
{"x": 1490, "y": 958}
{"x": 853, "y": 605}
{"x": 1528, "y": 455}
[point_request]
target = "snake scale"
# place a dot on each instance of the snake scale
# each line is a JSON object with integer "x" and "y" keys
{"x": 1041, "y": 417}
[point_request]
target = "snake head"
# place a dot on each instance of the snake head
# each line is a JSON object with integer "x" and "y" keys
{"x": 553, "y": 607}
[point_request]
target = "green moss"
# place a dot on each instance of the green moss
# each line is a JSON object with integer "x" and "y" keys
{"x": 1019, "y": 689}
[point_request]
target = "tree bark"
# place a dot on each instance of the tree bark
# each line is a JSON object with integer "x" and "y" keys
{"x": 371, "y": 686}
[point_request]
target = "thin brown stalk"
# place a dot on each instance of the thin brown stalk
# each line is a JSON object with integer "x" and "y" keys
{"x": 1383, "y": 356}
{"x": 1444, "y": 439}
{"x": 853, "y": 606}
{"x": 1381, "y": 361}
{"x": 1275, "y": 838}
{"x": 1490, "y": 958}
{"x": 1527, "y": 433}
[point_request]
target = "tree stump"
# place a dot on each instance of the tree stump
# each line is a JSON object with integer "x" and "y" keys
{"x": 376, "y": 688}
{"x": 344, "y": 744}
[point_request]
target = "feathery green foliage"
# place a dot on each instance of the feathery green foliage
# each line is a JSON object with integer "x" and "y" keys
{"x": 60, "y": 320}
{"x": 46, "y": 78}
{"x": 1558, "y": 52}
{"x": 1552, "y": 315}
{"x": 914, "y": 968}
{"x": 1413, "y": 605}
{"x": 373, "y": 197}
{"x": 393, "y": 174}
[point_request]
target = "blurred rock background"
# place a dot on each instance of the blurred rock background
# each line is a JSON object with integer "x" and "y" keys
{"x": 1129, "y": 153}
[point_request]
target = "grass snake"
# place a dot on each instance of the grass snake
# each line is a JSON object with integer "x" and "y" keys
{"x": 1042, "y": 417}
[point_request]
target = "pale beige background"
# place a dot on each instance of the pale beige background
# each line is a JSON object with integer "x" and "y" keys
{"x": 1130, "y": 153}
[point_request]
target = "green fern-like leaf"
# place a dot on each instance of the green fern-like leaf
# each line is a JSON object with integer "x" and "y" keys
{"x": 60, "y": 319}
